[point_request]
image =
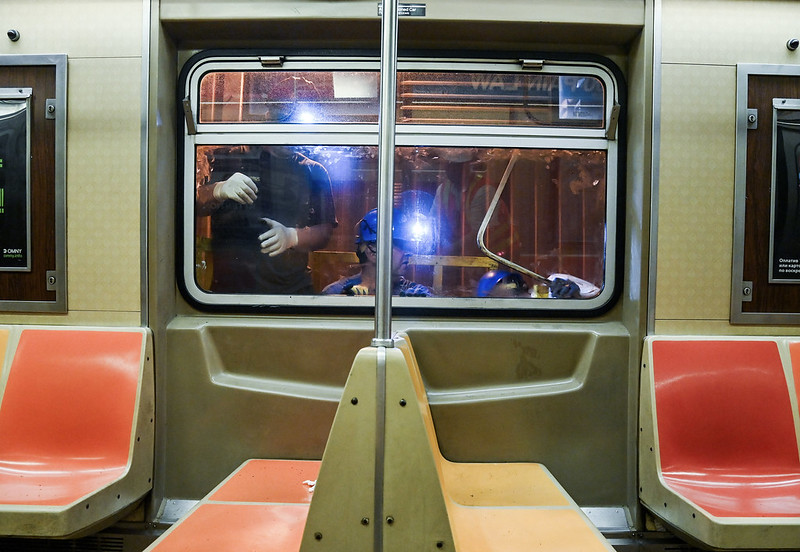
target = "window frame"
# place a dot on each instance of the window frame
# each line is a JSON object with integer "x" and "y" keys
{"x": 366, "y": 134}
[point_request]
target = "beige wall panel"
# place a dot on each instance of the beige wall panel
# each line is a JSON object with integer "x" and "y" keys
{"x": 76, "y": 318}
{"x": 103, "y": 42}
{"x": 725, "y": 32}
{"x": 703, "y": 40}
{"x": 79, "y": 28}
{"x": 103, "y": 190}
{"x": 696, "y": 192}
{"x": 717, "y": 327}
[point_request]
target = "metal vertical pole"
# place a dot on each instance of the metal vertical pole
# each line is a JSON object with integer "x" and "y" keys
{"x": 386, "y": 129}
{"x": 383, "y": 284}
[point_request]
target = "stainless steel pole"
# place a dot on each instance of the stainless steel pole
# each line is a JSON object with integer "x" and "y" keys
{"x": 386, "y": 129}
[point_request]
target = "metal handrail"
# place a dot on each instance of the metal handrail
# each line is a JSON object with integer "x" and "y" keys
{"x": 485, "y": 223}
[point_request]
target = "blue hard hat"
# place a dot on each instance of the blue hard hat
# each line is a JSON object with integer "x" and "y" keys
{"x": 494, "y": 278}
{"x": 367, "y": 228}
{"x": 413, "y": 231}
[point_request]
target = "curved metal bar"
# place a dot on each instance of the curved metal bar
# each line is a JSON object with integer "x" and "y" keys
{"x": 485, "y": 223}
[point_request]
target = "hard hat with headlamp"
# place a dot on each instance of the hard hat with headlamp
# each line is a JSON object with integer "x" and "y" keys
{"x": 411, "y": 231}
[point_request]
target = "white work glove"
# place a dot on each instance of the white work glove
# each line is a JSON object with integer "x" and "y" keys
{"x": 239, "y": 188}
{"x": 278, "y": 238}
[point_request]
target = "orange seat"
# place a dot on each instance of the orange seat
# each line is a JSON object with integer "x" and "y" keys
{"x": 262, "y": 506}
{"x": 726, "y": 430}
{"x": 719, "y": 453}
{"x": 70, "y": 422}
{"x": 265, "y": 504}
{"x": 234, "y": 526}
{"x": 282, "y": 481}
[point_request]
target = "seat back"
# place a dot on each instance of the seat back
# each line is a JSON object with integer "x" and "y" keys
{"x": 722, "y": 405}
{"x": 403, "y": 344}
{"x": 77, "y": 415}
{"x": 71, "y": 394}
{"x": 794, "y": 355}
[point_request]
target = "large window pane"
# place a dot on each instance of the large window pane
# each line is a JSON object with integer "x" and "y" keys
{"x": 505, "y": 187}
{"x": 549, "y": 218}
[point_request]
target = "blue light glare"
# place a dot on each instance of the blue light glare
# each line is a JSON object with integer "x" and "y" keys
{"x": 419, "y": 230}
{"x": 306, "y": 116}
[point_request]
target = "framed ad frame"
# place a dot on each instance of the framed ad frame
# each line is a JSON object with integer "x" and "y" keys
{"x": 42, "y": 285}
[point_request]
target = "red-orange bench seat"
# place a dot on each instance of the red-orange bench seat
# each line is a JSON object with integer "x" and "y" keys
{"x": 76, "y": 428}
{"x": 262, "y": 505}
{"x": 719, "y": 458}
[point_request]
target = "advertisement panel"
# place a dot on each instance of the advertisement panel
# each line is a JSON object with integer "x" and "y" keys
{"x": 785, "y": 215}
{"x": 15, "y": 233}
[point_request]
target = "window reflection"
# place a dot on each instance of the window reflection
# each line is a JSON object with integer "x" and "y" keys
{"x": 549, "y": 218}
{"x": 504, "y": 99}
{"x": 289, "y": 97}
{"x": 423, "y": 97}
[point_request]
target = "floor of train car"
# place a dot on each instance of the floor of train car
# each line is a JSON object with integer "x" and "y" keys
{"x": 133, "y": 539}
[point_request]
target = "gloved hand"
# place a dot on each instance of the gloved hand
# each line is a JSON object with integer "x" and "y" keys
{"x": 278, "y": 238}
{"x": 561, "y": 288}
{"x": 356, "y": 289}
{"x": 239, "y": 188}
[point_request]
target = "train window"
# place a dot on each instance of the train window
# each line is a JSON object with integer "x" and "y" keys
{"x": 504, "y": 193}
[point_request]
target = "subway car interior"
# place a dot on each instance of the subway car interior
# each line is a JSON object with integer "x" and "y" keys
{"x": 334, "y": 275}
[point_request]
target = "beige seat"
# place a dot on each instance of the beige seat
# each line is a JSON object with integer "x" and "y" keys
{"x": 425, "y": 501}
{"x": 428, "y": 502}
{"x": 505, "y": 506}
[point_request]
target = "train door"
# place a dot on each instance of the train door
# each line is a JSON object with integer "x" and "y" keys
{"x": 525, "y": 160}
{"x": 514, "y": 373}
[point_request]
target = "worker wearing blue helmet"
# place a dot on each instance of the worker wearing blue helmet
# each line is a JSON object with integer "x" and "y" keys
{"x": 410, "y": 234}
{"x": 502, "y": 283}
{"x": 505, "y": 283}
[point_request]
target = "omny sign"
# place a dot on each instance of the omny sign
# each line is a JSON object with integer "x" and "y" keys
{"x": 15, "y": 202}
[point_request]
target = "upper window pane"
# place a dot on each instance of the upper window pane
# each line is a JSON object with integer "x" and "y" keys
{"x": 289, "y": 97}
{"x": 504, "y": 99}
{"x": 424, "y": 97}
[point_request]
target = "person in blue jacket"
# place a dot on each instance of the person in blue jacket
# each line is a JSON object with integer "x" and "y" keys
{"x": 406, "y": 232}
